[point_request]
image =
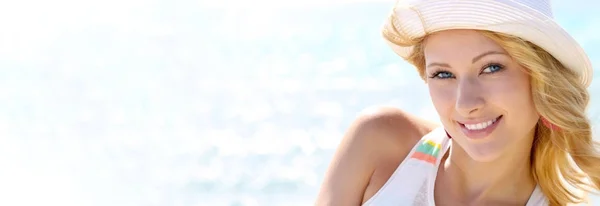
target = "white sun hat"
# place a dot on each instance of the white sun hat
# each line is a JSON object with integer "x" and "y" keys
{"x": 531, "y": 20}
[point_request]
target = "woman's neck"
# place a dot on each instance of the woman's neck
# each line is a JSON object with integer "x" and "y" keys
{"x": 472, "y": 182}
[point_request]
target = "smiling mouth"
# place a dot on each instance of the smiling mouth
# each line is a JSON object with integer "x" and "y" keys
{"x": 481, "y": 125}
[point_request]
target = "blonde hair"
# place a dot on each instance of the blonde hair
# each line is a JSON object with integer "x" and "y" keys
{"x": 565, "y": 162}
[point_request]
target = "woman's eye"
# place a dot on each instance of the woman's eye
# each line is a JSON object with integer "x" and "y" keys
{"x": 442, "y": 75}
{"x": 492, "y": 68}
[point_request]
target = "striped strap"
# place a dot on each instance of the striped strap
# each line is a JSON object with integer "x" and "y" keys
{"x": 427, "y": 150}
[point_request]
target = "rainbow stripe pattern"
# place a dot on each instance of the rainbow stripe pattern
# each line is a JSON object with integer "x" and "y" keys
{"x": 427, "y": 151}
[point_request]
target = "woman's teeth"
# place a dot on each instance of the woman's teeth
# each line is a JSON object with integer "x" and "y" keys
{"x": 480, "y": 126}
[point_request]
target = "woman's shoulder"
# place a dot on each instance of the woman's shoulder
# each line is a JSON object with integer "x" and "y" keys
{"x": 372, "y": 147}
{"x": 390, "y": 128}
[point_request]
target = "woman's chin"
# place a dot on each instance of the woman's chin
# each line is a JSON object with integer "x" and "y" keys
{"x": 481, "y": 153}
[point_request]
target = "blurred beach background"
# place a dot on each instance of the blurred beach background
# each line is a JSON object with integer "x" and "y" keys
{"x": 187, "y": 103}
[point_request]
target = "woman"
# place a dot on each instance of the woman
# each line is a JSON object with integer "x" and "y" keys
{"x": 509, "y": 86}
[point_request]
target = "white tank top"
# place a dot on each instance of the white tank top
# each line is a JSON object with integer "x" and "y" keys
{"x": 413, "y": 181}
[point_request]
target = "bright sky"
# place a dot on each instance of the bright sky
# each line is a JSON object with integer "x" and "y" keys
{"x": 136, "y": 102}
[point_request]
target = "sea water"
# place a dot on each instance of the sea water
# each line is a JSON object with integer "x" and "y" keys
{"x": 187, "y": 103}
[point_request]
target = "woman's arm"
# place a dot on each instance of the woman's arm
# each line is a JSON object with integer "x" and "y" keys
{"x": 351, "y": 167}
{"x": 369, "y": 143}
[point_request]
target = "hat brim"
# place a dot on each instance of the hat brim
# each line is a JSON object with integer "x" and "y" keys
{"x": 415, "y": 20}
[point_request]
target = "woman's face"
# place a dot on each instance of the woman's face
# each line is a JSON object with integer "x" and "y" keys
{"x": 482, "y": 95}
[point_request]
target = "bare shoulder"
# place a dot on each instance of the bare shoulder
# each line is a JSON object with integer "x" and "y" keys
{"x": 378, "y": 139}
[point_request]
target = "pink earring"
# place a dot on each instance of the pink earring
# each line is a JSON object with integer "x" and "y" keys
{"x": 549, "y": 124}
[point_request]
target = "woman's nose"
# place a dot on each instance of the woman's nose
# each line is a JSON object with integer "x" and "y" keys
{"x": 469, "y": 97}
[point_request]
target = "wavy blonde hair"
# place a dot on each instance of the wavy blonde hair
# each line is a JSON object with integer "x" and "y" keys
{"x": 566, "y": 162}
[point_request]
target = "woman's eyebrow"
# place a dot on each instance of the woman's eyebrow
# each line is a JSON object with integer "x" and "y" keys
{"x": 478, "y": 57}
{"x": 475, "y": 59}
